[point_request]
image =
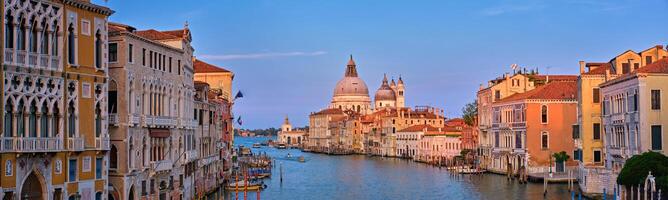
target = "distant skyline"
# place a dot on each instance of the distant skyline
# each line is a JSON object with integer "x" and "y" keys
{"x": 288, "y": 55}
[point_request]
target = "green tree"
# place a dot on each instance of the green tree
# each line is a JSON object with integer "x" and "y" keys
{"x": 637, "y": 168}
{"x": 469, "y": 112}
{"x": 561, "y": 157}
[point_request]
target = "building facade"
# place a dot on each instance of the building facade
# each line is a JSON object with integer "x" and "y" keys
{"x": 55, "y": 139}
{"x": 291, "y": 137}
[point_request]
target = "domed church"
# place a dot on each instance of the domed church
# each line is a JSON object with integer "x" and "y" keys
{"x": 351, "y": 93}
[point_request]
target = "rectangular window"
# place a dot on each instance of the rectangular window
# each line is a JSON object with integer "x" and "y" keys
{"x": 626, "y": 68}
{"x": 98, "y": 168}
{"x": 576, "y": 131}
{"x": 496, "y": 139}
{"x": 150, "y": 59}
{"x": 113, "y": 52}
{"x": 635, "y": 102}
{"x": 576, "y": 154}
{"x": 636, "y": 65}
{"x": 178, "y": 66}
{"x": 152, "y": 186}
{"x": 72, "y": 173}
{"x": 170, "y": 64}
{"x": 131, "y": 53}
{"x": 143, "y": 57}
{"x": 656, "y": 137}
{"x": 596, "y": 95}
{"x": 143, "y": 188}
{"x": 597, "y": 131}
{"x": 656, "y": 99}
{"x": 544, "y": 141}
{"x": 497, "y": 95}
{"x": 597, "y": 156}
{"x": 518, "y": 139}
{"x": 648, "y": 60}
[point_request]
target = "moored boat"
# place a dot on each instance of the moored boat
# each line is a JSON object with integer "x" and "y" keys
{"x": 281, "y": 146}
{"x": 243, "y": 185}
{"x": 256, "y": 145}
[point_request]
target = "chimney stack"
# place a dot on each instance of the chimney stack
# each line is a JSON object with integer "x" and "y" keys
{"x": 607, "y": 74}
{"x": 582, "y": 67}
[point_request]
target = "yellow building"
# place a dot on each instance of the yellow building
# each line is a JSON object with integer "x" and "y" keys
{"x": 218, "y": 78}
{"x": 54, "y": 140}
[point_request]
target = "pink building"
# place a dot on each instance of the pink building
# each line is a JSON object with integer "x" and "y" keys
{"x": 438, "y": 146}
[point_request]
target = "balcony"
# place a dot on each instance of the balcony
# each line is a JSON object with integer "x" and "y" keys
{"x": 29, "y": 145}
{"x": 55, "y": 62}
{"x": 31, "y": 59}
{"x": 190, "y": 156}
{"x": 134, "y": 119}
{"x": 208, "y": 160}
{"x": 162, "y": 165}
{"x": 75, "y": 144}
{"x": 102, "y": 143}
{"x": 20, "y": 57}
{"x": 9, "y": 56}
{"x": 164, "y": 121}
{"x": 113, "y": 119}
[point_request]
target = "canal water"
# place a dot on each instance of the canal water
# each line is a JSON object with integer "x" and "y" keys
{"x": 364, "y": 177}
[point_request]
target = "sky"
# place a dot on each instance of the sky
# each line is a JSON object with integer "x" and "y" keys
{"x": 287, "y": 55}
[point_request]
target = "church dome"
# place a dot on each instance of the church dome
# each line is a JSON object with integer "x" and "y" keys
{"x": 385, "y": 93}
{"x": 351, "y": 84}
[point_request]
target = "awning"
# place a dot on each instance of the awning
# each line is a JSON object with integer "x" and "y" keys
{"x": 158, "y": 132}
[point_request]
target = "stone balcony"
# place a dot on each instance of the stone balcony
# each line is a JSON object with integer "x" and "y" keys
{"x": 190, "y": 156}
{"x": 102, "y": 143}
{"x": 162, "y": 165}
{"x": 154, "y": 121}
{"x": 134, "y": 119}
{"x": 31, "y": 59}
{"x": 208, "y": 160}
{"x": 188, "y": 123}
{"x": 31, "y": 144}
{"x": 113, "y": 119}
{"x": 75, "y": 144}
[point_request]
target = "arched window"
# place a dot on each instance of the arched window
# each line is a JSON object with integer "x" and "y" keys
{"x": 71, "y": 120}
{"x": 98, "y": 120}
{"x": 544, "y": 140}
{"x": 54, "y": 39}
{"x": 9, "y": 119}
{"x": 20, "y": 122}
{"x": 44, "y": 121}
{"x": 543, "y": 114}
{"x": 55, "y": 117}
{"x": 9, "y": 30}
{"x": 32, "y": 35}
{"x": 32, "y": 119}
{"x": 44, "y": 43}
{"x": 358, "y": 108}
{"x": 113, "y": 157}
{"x": 98, "y": 196}
{"x": 71, "y": 45}
{"x": 21, "y": 36}
{"x": 98, "y": 50}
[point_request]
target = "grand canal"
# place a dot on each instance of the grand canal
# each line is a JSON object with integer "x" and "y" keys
{"x": 363, "y": 177}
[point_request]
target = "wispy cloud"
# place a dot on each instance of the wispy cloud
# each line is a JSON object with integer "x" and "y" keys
{"x": 505, "y": 9}
{"x": 255, "y": 56}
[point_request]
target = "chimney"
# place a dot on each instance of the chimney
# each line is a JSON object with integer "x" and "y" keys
{"x": 582, "y": 67}
{"x": 607, "y": 74}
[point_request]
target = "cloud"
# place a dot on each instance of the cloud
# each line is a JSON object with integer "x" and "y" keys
{"x": 505, "y": 9}
{"x": 256, "y": 56}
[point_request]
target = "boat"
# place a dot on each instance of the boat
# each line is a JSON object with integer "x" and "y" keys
{"x": 301, "y": 159}
{"x": 281, "y": 146}
{"x": 241, "y": 186}
{"x": 256, "y": 145}
{"x": 264, "y": 143}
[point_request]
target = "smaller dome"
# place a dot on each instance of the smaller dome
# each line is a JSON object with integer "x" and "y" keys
{"x": 385, "y": 93}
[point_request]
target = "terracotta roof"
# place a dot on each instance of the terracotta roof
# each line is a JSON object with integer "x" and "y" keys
{"x": 658, "y": 67}
{"x": 553, "y": 90}
{"x": 555, "y": 77}
{"x": 418, "y": 128}
{"x": 203, "y": 67}
{"x": 599, "y": 68}
{"x": 329, "y": 111}
{"x": 152, "y": 34}
{"x": 178, "y": 33}
{"x": 446, "y": 131}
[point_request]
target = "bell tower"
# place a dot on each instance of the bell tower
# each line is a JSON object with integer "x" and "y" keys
{"x": 401, "y": 99}
{"x": 286, "y": 127}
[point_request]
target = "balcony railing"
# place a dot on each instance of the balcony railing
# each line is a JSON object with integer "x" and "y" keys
{"x": 134, "y": 119}
{"x": 162, "y": 165}
{"x": 30, "y": 144}
{"x": 208, "y": 160}
{"x": 190, "y": 156}
{"x": 164, "y": 121}
{"x": 9, "y": 56}
{"x": 75, "y": 144}
{"x": 55, "y": 62}
{"x": 31, "y": 59}
{"x": 102, "y": 143}
{"x": 113, "y": 119}
{"x": 20, "y": 57}
{"x": 44, "y": 61}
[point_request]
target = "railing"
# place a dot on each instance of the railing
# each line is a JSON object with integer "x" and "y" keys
{"x": 162, "y": 165}
{"x": 44, "y": 61}
{"x": 55, "y": 62}
{"x": 75, "y": 144}
{"x": 134, "y": 119}
{"x": 190, "y": 156}
{"x": 102, "y": 143}
{"x": 113, "y": 119}
{"x": 20, "y": 57}
{"x": 208, "y": 160}
{"x": 32, "y": 59}
{"x": 9, "y": 56}
{"x": 164, "y": 121}
{"x": 148, "y": 120}
{"x": 30, "y": 144}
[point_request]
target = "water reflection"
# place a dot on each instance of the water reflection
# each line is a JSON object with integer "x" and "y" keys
{"x": 363, "y": 177}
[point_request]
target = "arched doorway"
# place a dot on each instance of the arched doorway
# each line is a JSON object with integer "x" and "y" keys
{"x": 32, "y": 188}
{"x": 131, "y": 195}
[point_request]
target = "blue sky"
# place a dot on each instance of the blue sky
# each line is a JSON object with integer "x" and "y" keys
{"x": 288, "y": 54}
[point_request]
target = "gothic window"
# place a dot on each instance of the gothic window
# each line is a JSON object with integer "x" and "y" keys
{"x": 44, "y": 122}
{"x": 21, "y": 37}
{"x": 55, "y": 116}
{"x": 544, "y": 140}
{"x": 54, "y": 39}
{"x": 9, "y": 118}
{"x": 45, "y": 39}
{"x": 98, "y": 50}
{"x": 71, "y": 120}
{"x": 32, "y": 35}
{"x": 71, "y": 45}
{"x": 20, "y": 129}
{"x": 543, "y": 114}
{"x": 113, "y": 157}
{"x": 9, "y": 30}
{"x": 32, "y": 119}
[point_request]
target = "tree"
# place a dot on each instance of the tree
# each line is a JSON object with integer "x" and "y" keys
{"x": 470, "y": 112}
{"x": 637, "y": 168}
{"x": 561, "y": 157}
